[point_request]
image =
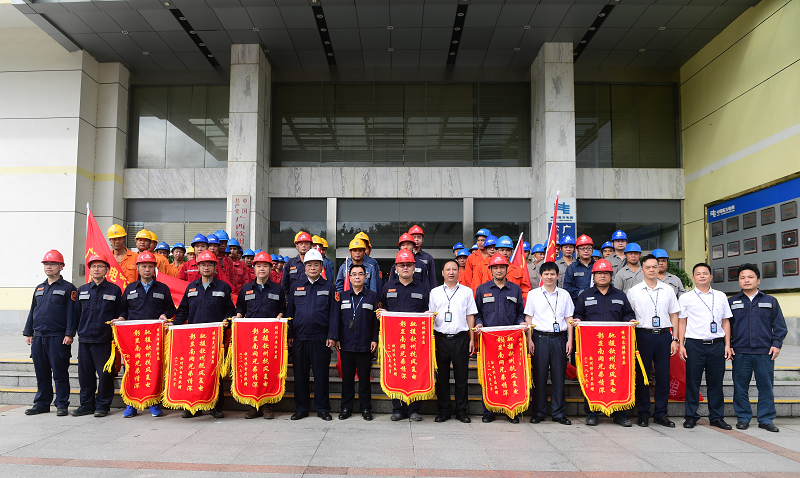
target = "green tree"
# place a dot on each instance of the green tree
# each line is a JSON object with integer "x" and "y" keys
{"x": 682, "y": 275}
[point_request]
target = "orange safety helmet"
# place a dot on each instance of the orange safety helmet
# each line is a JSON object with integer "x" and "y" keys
{"x": 415, "y": 230}
{"x": 498, "y": 260}
{"x": 303, "y": 237}
{"x": 206, "y": 256}
{"x": 602, "y": 266}
{"x": 584, "y": 240}
{"x": 146, "y": 256}
{"x": 404, "y": 256}
{"x": 405, "y": 238}
{"x": 53, "y": 256}
{"x": 96, "y": 257}
{"x": 261, "y": 257}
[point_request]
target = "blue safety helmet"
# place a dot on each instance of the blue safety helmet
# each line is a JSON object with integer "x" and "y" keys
{"x": 199, "y": 238}
{"x": 463, "y": 252}
{"x": 633, "y": 247}
{"x": 596, "y": 253}
{"x": 607, "y": 244}
{"x": 504, "y": 241}
{"x": 212, "y": 239}
{"x": 234, "y": 242}
{"x": 274, "y": 257}
{"x": 227, "y": 249}
{"x": 221, "y": 235}
{"x": 258, "y": 250}
{"x": 162, "y": 246}
{"x": 179, "y": 245}
{"x": 283, "y": 258}
{"x": 619, "y": 235}
{"x": 483, "y": 232}
{"x": 660, "y": 254}
{"x": 248, "y": 252}
{"x": 490, "y": 241}
{"x": 526, "y": 246}
{"x": 538, "y": 248}
{"x": 458, "y": 246}
{"x": 567, "y": 241}
{"x": 474, "y": 247}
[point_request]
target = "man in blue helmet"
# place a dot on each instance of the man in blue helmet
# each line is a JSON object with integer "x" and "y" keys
{"x": 480, "y": 272}
{"x": 478, "y": 256}
{"x": 537, "y": 256}
{"x": 461, "y": 259}
{"x": 224, "y": 269}
{"x": 178, "y": 255}
{"x": 189, "y": 271}
{"x": 567, "y": 246}
{"x": 163, "y": 249}
{"x": 607, "y": 250}
{"x": 223, "y": 239}
{"x": 670, "y": 279}
{"x": 457, "y": 247}
{"x": 631, "y": 273}
{"x": 619, "y": 241}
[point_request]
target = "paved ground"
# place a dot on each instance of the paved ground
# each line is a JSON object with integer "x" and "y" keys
{"x": 46, "y": 445}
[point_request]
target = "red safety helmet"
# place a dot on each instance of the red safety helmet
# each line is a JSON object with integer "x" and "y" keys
{"x": 498, "y": 260}
{"x": 53, "y": 256}
{"x": 405, "y": 238}
{"x": 262, "y": 257}
{"x": 303, "y": 237}
{"x": 404, "y": 256}
{"x": 96, "y": 257}
{"x": 415, "y": 230}
{"x": 207, "y": 256}
{"x": 584, "y": 240}
{"x": 602, "y": 266}
{"x": 146, "y": 256}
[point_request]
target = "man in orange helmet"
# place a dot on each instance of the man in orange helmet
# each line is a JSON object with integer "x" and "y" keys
{"x": 294, "y": 269}
{"x": 430, "y": 265}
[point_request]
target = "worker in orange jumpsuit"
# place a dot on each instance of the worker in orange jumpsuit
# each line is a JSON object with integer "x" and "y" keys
{"x": 477, "y": 257}
{"x": 125, "y": 257}
{"x": 144, "y": 239}
{"x": 461, "y": 258}
{"x": 480, "y": 271}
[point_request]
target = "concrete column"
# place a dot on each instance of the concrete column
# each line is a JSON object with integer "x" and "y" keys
{"x": 552, "y": 131}
{"x": 248, "y": 138}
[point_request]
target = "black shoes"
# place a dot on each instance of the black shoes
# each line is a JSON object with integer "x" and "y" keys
{"x": 188, "y": 414}
{"x": 325, "y": 416}
{"x": 488, "y": 418}
{"x": 81, "y": 411}
{"x": 591, "y": 419}
{"x": 536, "y": 419}
{"x": 396, "y": 417}
{"x": 441, "y": 418}
{"x": 217, "y": 413}
{"x": 562, "y": 420}
{"x": 742, "y": 425}
{"x": 36, "y": 411}
{"x": 689, "y": 423}
{"x": 253, "y": 413}
{"x": 770, "y": 427}
{"x": 100, "y": 412}
{"x": 464, "y": 418}
{"x": 721, "y": 424}
{"x": 366, "y": 415}
{"x": 298, "y": 415}
{"x": 623, "y": 421}
{"x": 345, "y": 414}
{"x": 415, "y": 417}
{"x": 643, "y": 422}
{"x": 62, "y": 412}
{"x": 514, "y": 420}
{"x": 664, "y": 422}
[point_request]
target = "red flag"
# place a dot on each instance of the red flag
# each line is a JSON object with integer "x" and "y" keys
{"x": 677, "y": 379}
{"x": 96, "y": 243}
{"x": 518, "y": 259}
{"x": 324, "y": 275}
{"x": 177, "y": 287}
{"x": 347, "y": 274}
{"x": 551, "y": 251}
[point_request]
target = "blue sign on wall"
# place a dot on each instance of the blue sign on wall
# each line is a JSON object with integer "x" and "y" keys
{"x": 750, "y": 202}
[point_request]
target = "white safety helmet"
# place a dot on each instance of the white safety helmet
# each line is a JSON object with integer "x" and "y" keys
{"x": 312, "y": 255}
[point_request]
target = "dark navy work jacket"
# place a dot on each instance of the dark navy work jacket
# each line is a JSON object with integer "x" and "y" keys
{"x": 52, "y": 312}
{"x": 97, "y": 304}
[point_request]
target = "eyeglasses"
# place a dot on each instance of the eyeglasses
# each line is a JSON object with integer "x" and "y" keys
{"x": 404, "y": 265}
{"x": 357, "y": 274}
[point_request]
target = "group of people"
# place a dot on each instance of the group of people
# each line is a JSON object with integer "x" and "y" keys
{"x": 481, "y": 289}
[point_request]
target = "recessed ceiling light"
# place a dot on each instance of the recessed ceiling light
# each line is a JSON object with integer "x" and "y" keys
{"x": 183, "y": 19}
{"x": 166, "y": 3}
{"x": 390, "y": 27}
{"x": 457, "y": 28}
{"x": 641, "y": 50}
{"x": 591, "y": 29}
{"x": 124, "y": 32}
{"x": 460, "y": 14}
{"x": 391, "y": 49}
{"x": 255, "y": 29}
{"x": 319, "y": 15}
{"x": 326, "y": 42}
{"x": 323, "y": 29}
{"x": 145, "y": 53}
{"x": 527, "y": 27}
{"x": 330, "y": 54}
{"x": 662, "y": 28}
{"x": 516, "y": 49}
{"x": 452, "y": 53}
{"x": 583, "y": 41}
{"x": 202, "y": 44}
{"x": 192, "y": 32}
{"x": 210, "y": 55}
{"x": 602, "y": 15}
{"x": 454, "y": 42}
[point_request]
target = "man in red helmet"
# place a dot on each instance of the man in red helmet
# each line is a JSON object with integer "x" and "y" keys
{"x": 406, "y": 242}
{"x": 427, "y": 259}
{"x": 294, "y": 270}
{"x": 578, "y": 276}
{"x": 49, "y": 331}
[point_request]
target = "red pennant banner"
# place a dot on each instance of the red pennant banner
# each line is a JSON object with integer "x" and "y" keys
{"x": 194, "y": 363}
{"x": 96, "y": 243}
{"x": 258, "y": 358}
{"x": 177, "y": 287}
{"x": 504, "y": 369}
{"x": 677, "y": 379}
{"x": 140, "y": 343}
{"x": 406, "y": 356}
{"x": 606, "y": 356}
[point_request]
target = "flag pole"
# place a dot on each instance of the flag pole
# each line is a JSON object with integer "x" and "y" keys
{"x": 550, "y": 232}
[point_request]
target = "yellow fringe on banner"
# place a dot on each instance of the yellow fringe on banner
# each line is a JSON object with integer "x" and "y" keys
{"x": 222, "y": 364}
{"x": 281, "y": 376}
{"x": 202, "y": 406}
{"x": 620, "y": 406}
{"x": 519, "y": 408}
{"x": 109, "y": 366}
{"x": 418, "y": 396}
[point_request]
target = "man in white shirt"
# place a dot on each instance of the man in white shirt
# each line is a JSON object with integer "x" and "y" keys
{"x": 704, "y": 336}
{"x": 455, "y": 307}
{"x": 656, "y": 308}
{"x": 550, "y": 309}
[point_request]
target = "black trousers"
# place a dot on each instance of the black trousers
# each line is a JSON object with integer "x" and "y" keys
{"x": 549, "y": 355}
{"x": 352, "y": 362}
{"x": 404, "y": 408}
{"x": 455, "y": 350}
{"x": 314, "y": 355}
{"x": 51, "y": 364}
{"x": 711, "y": 358}
{"x": 91, "y": 360}
{"x": 654, "y": 349}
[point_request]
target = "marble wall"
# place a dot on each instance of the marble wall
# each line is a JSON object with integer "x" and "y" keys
{"x": 611, "y": 183}
{"x": 175, "y": 183}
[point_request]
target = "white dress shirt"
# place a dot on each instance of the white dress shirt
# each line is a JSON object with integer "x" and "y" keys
{"x": 461, "y": 303}
{"x": 643, "y": 299}
{"x": 547, "y": 309}
{"x": 696, "y": 308}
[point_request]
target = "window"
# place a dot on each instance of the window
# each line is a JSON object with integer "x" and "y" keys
{"x": 504, "y": 217}
{"x": 600, "y": 218}
{"x": 626, "y": 126}
{"x": 179, "y": 127}
{"x": 290, "y": 216}
{"x": 174, "y": 220}
{"x": 393, "y": 124}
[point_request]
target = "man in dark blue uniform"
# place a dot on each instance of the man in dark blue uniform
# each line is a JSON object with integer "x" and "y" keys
{"x": 427, "y": 259}
{"x": 49, "y": 331}
{"x": 146, "y": 299}
{"x": 603, "y": 302}
{"x": 406, "y": 242}
{"x": 206, "y": 300}
{"x": 757, "y": 333}
{"x": 98, "y": 304}
{"x": 578, "y": 276}
{"x": 405, "y": 295}
{"x": 314, "y": 309}
{"x": 356, "y": 336}
{"x": 499, "y": 304}
{"x": 262, "y": 299}
{"x": 294, "y": 270}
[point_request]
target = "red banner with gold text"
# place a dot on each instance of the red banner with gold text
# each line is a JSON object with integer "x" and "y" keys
{"x": 406, "y": 356}
{"x": 504, "y": 369}
{"x": 96, "y": 243}
{"x": 194, "y": 363}
{"x": 140, "y": 342}
{"x": 606, "y": 356}
{"x": 258, "y": 358}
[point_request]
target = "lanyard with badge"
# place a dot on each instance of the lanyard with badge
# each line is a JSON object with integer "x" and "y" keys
{"x": 448, "y": 316}
{"x": 556, "y": 326}
{"x": 656, "y": 318}
{"x": 352, "y": 325}
{"x": 710, "y": 309}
